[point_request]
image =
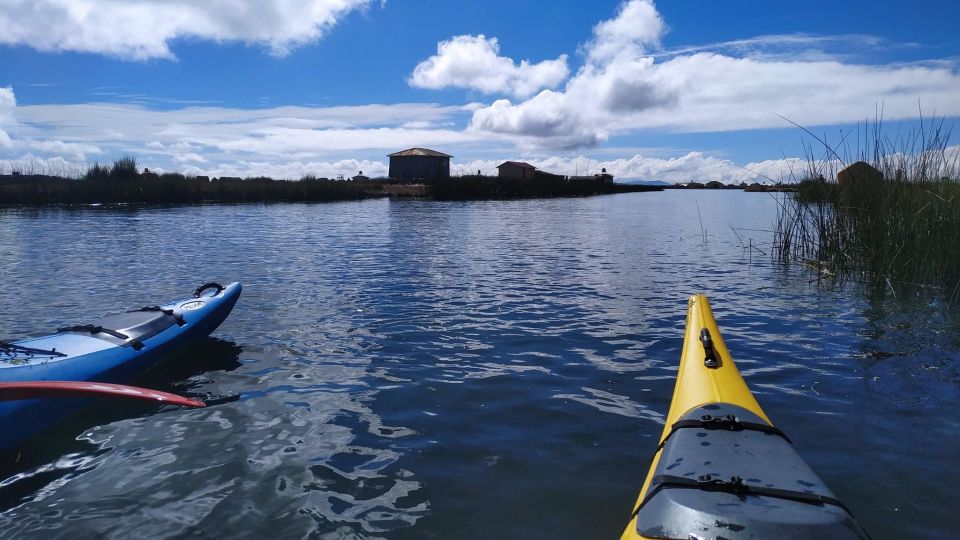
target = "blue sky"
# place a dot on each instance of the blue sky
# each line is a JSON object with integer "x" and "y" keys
{"x": 675, "y": 90}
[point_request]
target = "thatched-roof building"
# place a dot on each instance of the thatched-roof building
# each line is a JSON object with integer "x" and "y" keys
{"x": 859, "y": 172}
{"x": 419, "y": 164}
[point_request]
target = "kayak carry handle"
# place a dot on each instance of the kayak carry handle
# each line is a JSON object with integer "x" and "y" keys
{"x": 710, "y": 357}
{"x": 205, "y": 286}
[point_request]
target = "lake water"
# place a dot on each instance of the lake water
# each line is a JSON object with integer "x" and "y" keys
{"x": 412, "y": 369}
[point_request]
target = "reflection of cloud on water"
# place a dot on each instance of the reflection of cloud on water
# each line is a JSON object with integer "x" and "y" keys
{"x": 626, "y": 360}
{"x": 457, "y": 370}
{"x": 613, "y": 403}
{"x": 300, "y": 452}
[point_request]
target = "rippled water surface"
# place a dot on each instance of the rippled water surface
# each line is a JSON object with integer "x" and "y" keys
{"x": 410, "y": 369}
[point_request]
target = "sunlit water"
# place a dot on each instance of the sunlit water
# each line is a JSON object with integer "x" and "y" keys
{"x": 409, "y": 369}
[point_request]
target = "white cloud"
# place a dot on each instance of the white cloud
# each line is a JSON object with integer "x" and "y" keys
{"x": 31, "y": 164}
{"x": 219, "y": 137}
{"x": 7, "y": 104}
{"x": 306, "y": 143}
{"x": 296, "y": 131}
{"x": 793, "y": 47}
{"x": 693, "y": 166}
{"x": 142, "y": 29}
{"x": 189, "y": 158}
{"x": 474, "y": 62}
{"x": 76, "y": 151}
{"x": 622, "y": 87}
{"x": 636, "y": 26}
{"x": 346, "y": 168}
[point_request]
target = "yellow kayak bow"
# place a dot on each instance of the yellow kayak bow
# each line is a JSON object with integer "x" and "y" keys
{"x": 722, "y": 470}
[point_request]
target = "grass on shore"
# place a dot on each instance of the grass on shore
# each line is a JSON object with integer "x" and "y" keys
{"x": 901, "y": 229}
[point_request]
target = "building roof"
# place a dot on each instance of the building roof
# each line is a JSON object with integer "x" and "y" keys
{"x": 520, "y": 164}
{"x": 418, "y": 152}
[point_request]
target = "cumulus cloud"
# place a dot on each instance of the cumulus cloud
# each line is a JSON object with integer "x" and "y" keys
{"x": 692, "y": 166}
{"x": 636, "y": 26}
{"x": 623, "y": 87}
{"x": 474, "y": 62}
{"x": 142, "y": 29}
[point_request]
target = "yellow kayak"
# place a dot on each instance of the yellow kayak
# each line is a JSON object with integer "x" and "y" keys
{"x": 722, "y": 470}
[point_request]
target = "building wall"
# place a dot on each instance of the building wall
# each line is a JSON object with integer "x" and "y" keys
{"x": 419, "y": 167}
{"x": 513, "y": 171}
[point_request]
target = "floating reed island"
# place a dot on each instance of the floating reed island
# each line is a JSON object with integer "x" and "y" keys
{"x": 124, "y": 183}
{"x": 892, "y": 218}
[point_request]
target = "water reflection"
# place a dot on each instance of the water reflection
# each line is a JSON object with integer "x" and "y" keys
{"x": 414, "y": 369}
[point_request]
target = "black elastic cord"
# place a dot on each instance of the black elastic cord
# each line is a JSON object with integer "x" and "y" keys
{"x": 727, "y": 422}
{"x": 734, "y": 486}
{"x": 10, "y": 349}
{"x": 176, "y": 316}
{"x": 95, "y": 329}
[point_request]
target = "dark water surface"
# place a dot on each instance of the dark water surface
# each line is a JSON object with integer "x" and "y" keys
{"x": 406, "y": 369}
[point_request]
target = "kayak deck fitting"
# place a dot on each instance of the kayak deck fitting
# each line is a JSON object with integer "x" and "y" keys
{"x": 116, "y": 349}
{"x": 722, "y": 470}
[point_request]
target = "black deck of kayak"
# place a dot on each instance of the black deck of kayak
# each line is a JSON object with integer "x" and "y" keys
{"x": 731, "y": 479}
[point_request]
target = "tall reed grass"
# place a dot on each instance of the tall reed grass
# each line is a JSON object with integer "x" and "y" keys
{"x": 122, "y": 182}
{"x": 898, "y": 228}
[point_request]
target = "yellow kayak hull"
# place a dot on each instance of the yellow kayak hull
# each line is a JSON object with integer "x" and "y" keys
{"x": 701, "y": 385}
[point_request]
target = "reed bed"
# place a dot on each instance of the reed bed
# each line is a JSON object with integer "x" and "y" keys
{"x": 123, "y": 183}
{"x": 490, "y": 187}
{"x": 893, "y": 227}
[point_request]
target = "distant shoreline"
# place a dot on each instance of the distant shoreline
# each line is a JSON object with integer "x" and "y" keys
{"x": 123, "y": 184}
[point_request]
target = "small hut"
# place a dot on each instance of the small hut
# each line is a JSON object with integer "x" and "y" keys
{"x": 516, "y": 169}
{"x": 419, "y": 164}
{"x": 857, "y": 173}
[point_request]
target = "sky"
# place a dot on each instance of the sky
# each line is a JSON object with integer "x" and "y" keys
{"x": 676, "y": 90}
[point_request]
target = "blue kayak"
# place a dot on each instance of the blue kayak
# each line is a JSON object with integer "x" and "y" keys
{"x": 116, "y": 349}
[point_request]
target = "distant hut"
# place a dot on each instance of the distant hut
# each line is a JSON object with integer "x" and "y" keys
{"x": 604, "y": 177}
{"x": 860, "y": 172}
{"x": 419, "y": 164}
{"x": 361, "y": 177}
{"x": 516, "y": 169}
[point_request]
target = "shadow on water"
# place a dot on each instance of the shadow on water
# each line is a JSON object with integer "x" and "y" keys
{"x": 62, "y": 453}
